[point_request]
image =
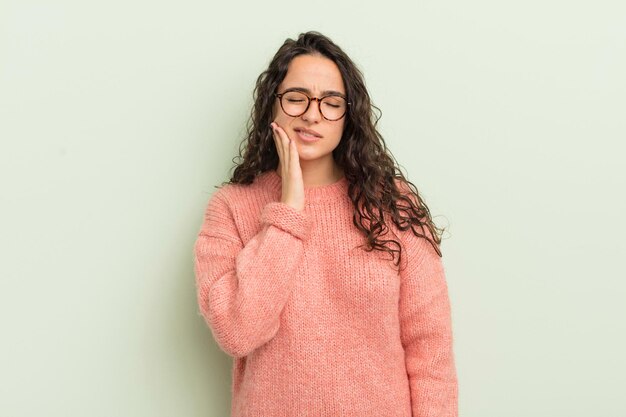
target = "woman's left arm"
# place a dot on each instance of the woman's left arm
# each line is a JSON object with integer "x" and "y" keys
{"x": 426, "y": 330}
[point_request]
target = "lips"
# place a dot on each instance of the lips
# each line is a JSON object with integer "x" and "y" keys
{"x": 309, "y": 131}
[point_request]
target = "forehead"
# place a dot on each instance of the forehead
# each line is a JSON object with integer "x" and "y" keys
{"x": 315, "y": 73}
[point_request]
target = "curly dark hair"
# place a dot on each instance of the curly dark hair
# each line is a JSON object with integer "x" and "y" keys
{"x": 377, "y": 187}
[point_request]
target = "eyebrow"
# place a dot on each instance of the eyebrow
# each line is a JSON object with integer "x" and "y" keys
{"x": 324, "y": 93}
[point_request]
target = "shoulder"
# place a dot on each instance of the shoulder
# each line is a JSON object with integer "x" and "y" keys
{"x": 235, "y": 200}
{"x": 417, "y": 239}
{"x": 404, "y": 188}
{"x": 225, "y": 193}
{"x": 234, "y": 193}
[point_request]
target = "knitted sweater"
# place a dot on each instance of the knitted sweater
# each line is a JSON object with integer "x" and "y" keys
{"x": 316, "y": 326}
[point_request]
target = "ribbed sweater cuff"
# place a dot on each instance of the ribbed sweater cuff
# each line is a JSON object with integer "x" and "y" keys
{"x": 287, "y": 218}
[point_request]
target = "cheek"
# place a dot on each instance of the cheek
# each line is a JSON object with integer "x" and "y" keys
{"x": 339, "y": 130}
{"x": 280, "y": 117}
{"x": 331, "y": 145}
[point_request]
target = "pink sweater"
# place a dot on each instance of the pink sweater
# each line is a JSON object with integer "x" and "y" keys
{"x": 315, "y": 326}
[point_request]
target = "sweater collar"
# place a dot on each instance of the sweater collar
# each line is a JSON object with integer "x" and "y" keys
{"x": 312, "y": 194}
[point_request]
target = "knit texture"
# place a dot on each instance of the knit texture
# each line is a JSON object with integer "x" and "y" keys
{"x": 315, "y": 325}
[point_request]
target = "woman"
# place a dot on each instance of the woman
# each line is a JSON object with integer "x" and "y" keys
{"x": 293, "y": 260}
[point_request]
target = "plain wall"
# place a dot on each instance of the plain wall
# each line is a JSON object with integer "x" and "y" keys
{"x": 118, "y": 118}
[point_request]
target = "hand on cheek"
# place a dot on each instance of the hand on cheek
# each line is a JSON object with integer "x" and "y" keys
{"x": 289, "y": 167}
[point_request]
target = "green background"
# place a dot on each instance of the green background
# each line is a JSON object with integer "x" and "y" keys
{"x": 117, "y": 119}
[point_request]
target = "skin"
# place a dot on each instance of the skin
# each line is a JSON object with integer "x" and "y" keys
{"x": 304, "y": 164}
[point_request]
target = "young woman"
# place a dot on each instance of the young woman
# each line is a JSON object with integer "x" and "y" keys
{"x": 317, "y": 265}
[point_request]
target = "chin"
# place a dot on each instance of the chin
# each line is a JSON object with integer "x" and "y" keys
{"x": 308, "y": 156}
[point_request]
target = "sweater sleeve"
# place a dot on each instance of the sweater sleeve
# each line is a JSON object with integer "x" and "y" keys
{"x": 242, "y": 289}
{"x": 426, "y": 331}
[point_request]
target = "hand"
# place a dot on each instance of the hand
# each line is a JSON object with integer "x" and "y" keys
{"x": 289, "y": 168}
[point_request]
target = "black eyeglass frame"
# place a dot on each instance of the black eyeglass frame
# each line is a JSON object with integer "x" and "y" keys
{"x": 319, "y": 103}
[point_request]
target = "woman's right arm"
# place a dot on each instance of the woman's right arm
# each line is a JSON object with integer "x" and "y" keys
{"x": 242, "y": 290}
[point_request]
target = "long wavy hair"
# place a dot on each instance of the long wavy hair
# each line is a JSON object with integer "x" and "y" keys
{"x": 378, "y": 189}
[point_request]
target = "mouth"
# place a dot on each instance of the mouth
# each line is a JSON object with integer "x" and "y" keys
{"x": 307, "y": 133}
{"x": 305, "y": 137}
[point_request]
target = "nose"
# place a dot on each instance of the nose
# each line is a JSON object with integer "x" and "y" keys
{"x": 313, "y": 112}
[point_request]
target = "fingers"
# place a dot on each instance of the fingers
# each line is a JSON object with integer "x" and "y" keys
{"x": 279, "y": 145}
{"x": 285, "y": 147}
{"x": 294, "y": 162}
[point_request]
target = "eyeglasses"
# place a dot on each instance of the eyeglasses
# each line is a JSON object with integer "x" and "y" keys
{"x": 295, "y": 103}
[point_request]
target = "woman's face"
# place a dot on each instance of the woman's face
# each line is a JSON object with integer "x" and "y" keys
{"x": 317, "y": 74}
